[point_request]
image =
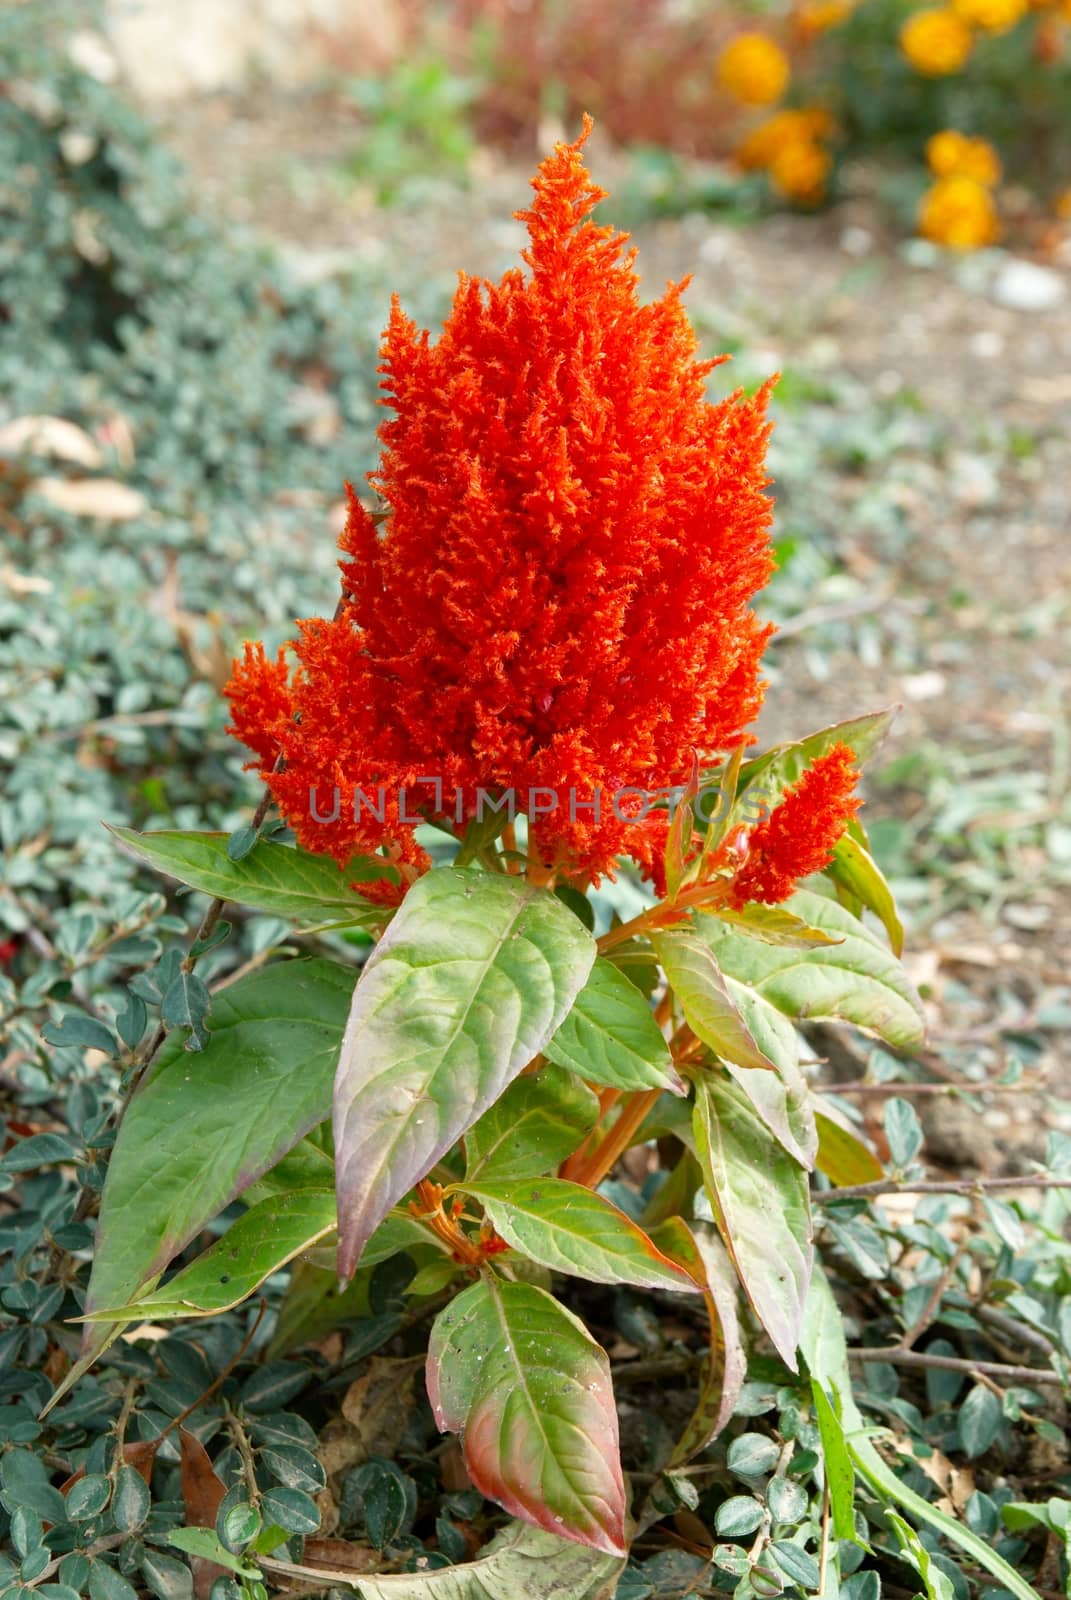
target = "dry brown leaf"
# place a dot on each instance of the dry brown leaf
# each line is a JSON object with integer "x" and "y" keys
{"x": 50, "y": 436}
{"x": 955, "y": 1483}
{"x": 202, "y": 1492}
{"x": 376, "y": 1409}
{"x": 20, "y": 583}
{"x": 106, "y": 499}
{"x": 340, "y": 1555}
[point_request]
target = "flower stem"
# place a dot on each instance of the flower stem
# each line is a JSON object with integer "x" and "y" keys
{"x": 616, "y": 1141}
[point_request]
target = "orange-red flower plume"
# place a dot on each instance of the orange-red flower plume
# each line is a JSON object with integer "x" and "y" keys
{"x": 559, "y": 596}
{"x": 798, "y": 836}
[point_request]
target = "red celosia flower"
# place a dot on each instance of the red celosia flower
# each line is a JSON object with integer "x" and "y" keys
{"x": 558, "y": 599}
{"x": 798, "y": 836}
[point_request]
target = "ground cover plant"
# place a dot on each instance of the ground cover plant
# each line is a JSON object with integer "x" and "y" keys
{"x": 284, "y": 1438}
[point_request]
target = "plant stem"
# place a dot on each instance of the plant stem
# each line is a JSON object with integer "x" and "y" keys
{"x": 616, "y": 1141}
{"x": 964, "y": 1186}
{"x": 895, "y": 1356}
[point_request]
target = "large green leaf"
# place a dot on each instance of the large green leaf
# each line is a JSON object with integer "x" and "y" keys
{"x": 762, "y": 1206}
{"x": 531, "y": 1129}
{"x": 765, "y": 778}
{"x": 202, "y": 1127}
{"x": 823, "y": 1347}
{"x": 470, "y": 981}
{"x": 701, "y": 1251}
{"x": 857, "y": 980}
{"x": 843, "y": 1154}
{"x": 709, "y": 1009}
{"x": 786, "y": 1106}
{"x": 520, "y": 1563}
{"x": 272, "y": 877}
{"x": 855, "y": 873}
{"x": 771, "y": 924}
{"x": 610, "y": 1036}
{"x": 259, "y": 1243}
{"x": 567, "y": 1228}
{"x": 529, "y": 1391}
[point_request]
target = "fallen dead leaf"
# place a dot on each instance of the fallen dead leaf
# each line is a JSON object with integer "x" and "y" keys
{"x": 375, "y": 1413}
{"x": 202, "y": 1492}
{"x": 106, "y": 499}
{"x": 20, "y": 583}
{"x": 50, "y": 436}
{"x": 955, "y": 1483}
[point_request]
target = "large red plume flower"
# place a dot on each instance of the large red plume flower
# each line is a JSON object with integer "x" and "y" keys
{"x": 557, "y": 602}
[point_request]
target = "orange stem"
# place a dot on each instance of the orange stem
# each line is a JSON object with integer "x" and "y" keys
{"x": 614, "y": 1143}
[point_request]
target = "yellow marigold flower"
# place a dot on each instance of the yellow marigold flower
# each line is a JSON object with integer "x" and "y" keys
{"x": 818, "y": 16}
{"x": 953, "y": 155}
{"x": 799, "y": 171}
{"x": 762, "y": 144}
{"x": 936, "y": 41}
{"x": 753, "y": 69}
{"x": 1062, "y": 205}
{"x": 992, "y": 16}
{"x": 959, "y": 213}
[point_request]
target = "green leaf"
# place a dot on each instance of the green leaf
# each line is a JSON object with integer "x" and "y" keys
{"x": 857, "y": 981}
{"x": 532, "y": 1128}
{"x": 567, "y": 1228}
{"x": 266, "y": 1071}
{"x": 290, "y": 1509}
{"x": 773, "y": 925}
{"x": 107, "y": 1584}
{"x": 903, "y": 1130}
{"x": 520, "y": 1561}
{"x": 77, "y": 1030}
{"x": 769, "y": 775}
{"x": 131, "y": 1501}
{"x": 979, "y": 1418}
{"x": 840, "y": 1473}
{"x": 843, "y": 1154}
{"x": 796, "y": 1563}
{"x": 697, "y": 982}
{"x": 268, "y": 1236}
{"x": 937, "y": 1584}
{"x": 87, "y": 1497}
{"x": 206, "y": 1543}
{"x": 702, "y": 1253}
{"x": 824, "y": 1349}
{"x": 741, "y": 1514}
{"x": 272, "y": 877}
{"x": 472, "y": 978}
{"x": 611, "y": 1037}
{"x": 854, "y": 872}
{"x": 529, "y": 1391}
{"x": 786, "y": 1106}
{"x": 761, "y": 1204}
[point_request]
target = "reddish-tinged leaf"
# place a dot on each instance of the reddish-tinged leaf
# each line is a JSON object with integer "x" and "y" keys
{"x": 471, "y": 979}
{"x": 710, "y": 1010}
{"x": 529, "y": 1391}
{"x": 700, "y": 1251}
{"x": 761, "y": 1204}
{"x": 567, "y": 1228}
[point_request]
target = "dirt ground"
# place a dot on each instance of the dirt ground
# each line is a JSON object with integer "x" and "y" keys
{"x": 972, "y": 597}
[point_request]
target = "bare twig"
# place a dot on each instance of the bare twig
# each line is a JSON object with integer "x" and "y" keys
{"x": 895, "y": 1356}
{"x": 963, "y": 1186}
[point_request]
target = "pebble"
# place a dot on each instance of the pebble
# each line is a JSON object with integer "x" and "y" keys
{"x": 1024, "y": 286}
